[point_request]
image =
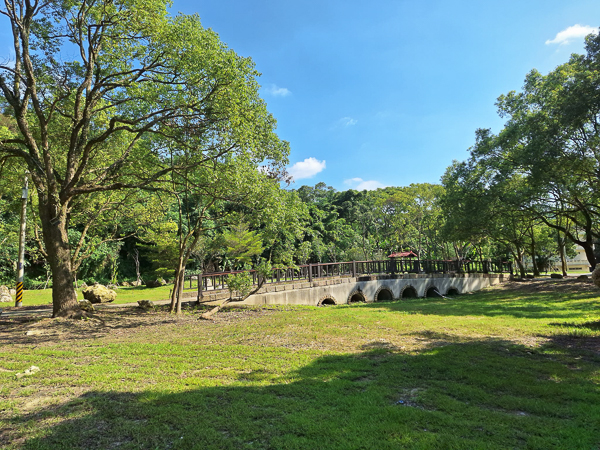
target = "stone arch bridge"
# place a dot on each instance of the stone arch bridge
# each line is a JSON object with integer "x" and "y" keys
{"x": 357, "y": 281}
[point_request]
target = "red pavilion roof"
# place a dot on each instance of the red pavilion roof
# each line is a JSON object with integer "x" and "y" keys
{"x": 403, "y": 255}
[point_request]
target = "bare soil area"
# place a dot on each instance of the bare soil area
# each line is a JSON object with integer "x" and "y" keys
{"x": 113, "y": 322}
{"x": 567, "y": 285}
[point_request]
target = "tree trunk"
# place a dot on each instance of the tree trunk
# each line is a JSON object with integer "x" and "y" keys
{"x": 178, "y": 286}
{"x": 561, "y": 251}
{"x": 180, "y": 290}
{"x": 64, "y": 295}
{"x": 185, "y": 251}
{"x": 518, "y": 255}
{"x": 521, "y": 267}
{"x": 534, "y": 265}
{"x": 136, "y": 259}
{"x": 588, "y": 246}
{"x": 456, "y": 251}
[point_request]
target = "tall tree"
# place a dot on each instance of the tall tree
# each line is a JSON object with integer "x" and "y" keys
{"x": 108, "y": 95}
{"x": 543, "y": 166}
{"x": 552, "y": 136}
{"x": 478, "y": 206}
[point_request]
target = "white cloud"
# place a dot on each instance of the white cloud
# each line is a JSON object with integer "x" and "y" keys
{"x": 277, "y": 91}
{"x": 307, "y": 168}
{"x": 352, "y": 181}
{"x": 346, "y": 122}
{"x": 361, "y": 185}
{"x": 575, "y": 32}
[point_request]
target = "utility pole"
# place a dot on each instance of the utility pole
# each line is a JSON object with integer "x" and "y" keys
{"x": 21, "y": 261}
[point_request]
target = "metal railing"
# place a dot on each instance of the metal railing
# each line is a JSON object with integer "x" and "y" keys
{"x": 308, "y": 272}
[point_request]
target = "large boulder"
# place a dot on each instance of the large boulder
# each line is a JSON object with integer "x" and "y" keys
{"x": 156, "y": 283}
{"x": 99, "y": 294}
{"x": 146, "y": 304}
{"x": 596, "y": 275}
{"x": 5, "y": 296}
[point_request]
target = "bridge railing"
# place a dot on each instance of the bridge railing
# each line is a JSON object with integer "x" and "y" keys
{"x": 309, "y": 272}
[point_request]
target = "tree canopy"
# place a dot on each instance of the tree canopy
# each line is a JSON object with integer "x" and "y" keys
{"x": 542, "y": 168}
{"x": 112, "y": 95}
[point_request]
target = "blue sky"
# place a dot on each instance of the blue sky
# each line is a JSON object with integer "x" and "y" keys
{"x": 388, "y": 93}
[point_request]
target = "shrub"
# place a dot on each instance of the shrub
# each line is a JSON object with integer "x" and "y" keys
{"x": 35, "y": 283}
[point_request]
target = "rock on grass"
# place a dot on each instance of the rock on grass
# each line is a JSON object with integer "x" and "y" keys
{"x": 99, "y": 294}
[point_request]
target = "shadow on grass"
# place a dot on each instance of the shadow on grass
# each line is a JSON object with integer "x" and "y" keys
{"x": 532, "y": 305}
{"x": 593, "y": 325}
{"x": 578, "y": 335}
{"x": 487, "y": 394}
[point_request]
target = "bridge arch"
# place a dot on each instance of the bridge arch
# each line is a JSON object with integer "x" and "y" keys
{"x": 432, "y": 291}
{"x": 356, "y": 296}
{"x": 453, "y": 290}
{"x": 409, "y": 292}
{"x": 384, "y": 293}
{"x": 327, "y": 300}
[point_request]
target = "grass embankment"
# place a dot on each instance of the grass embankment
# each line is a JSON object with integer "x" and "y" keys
{"x": 498, "y": 369}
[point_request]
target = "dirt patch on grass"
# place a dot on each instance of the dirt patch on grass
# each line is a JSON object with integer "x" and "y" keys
{"x": 117, "y": 323}
{"x": 568, "y": 285}
{"x": 589, "y": 345}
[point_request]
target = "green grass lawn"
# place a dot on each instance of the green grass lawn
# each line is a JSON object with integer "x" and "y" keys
{"x": 124, "y": 295}
{"x": 582, "y": 272}
{"x": 503, "y": 368}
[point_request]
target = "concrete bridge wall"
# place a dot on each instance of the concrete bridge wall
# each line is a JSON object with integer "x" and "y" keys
{"x": 340, "y": 290}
